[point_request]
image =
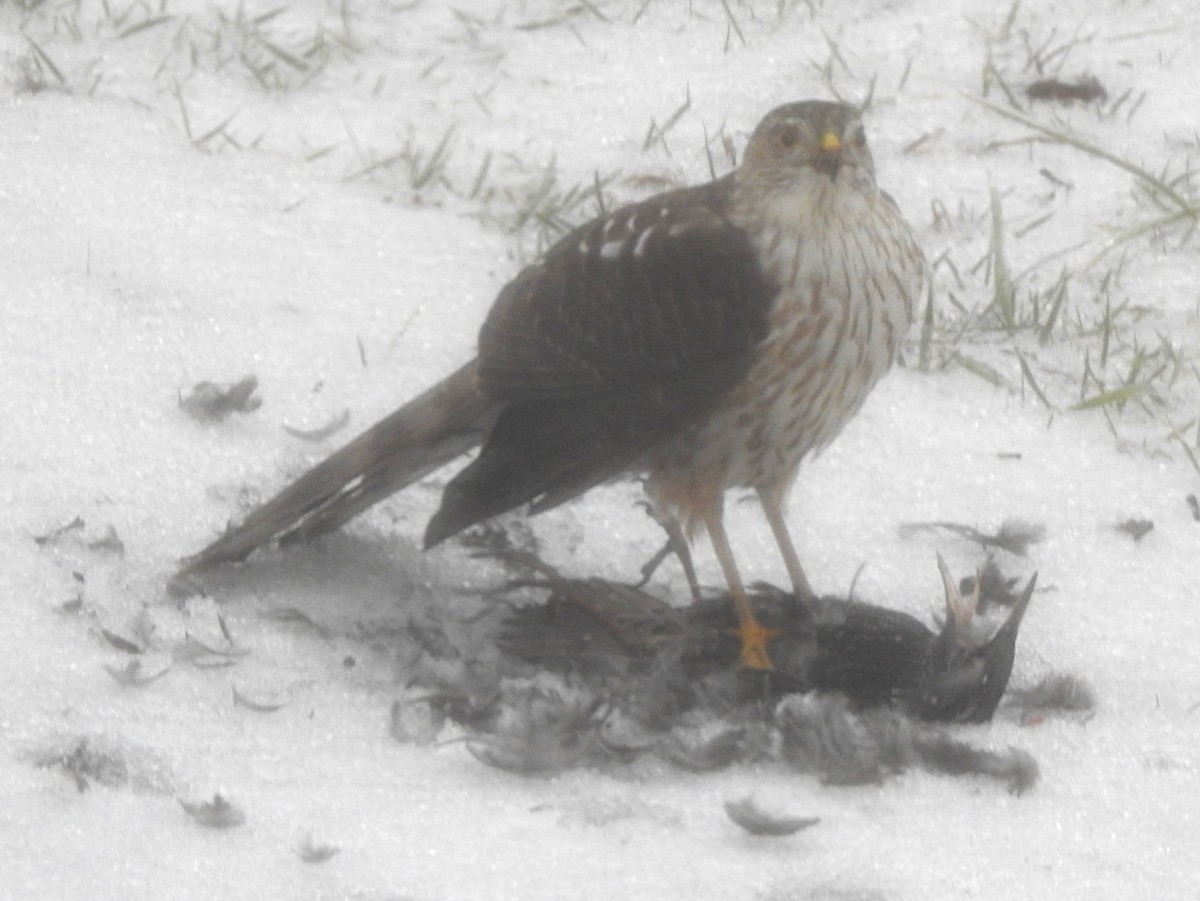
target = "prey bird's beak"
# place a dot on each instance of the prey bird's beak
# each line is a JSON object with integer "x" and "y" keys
{"x": 829, "y": 156}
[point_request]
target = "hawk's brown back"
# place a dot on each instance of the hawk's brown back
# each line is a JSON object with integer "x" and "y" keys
{"x": 630, "y": 329}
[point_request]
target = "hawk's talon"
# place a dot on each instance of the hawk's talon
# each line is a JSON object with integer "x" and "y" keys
{"x": 755, "y": 638}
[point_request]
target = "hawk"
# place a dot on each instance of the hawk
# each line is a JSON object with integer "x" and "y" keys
{"x": 710, "y": 337}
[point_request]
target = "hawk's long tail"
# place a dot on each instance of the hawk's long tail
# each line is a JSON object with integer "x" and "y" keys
{"x": 449, "y": 419}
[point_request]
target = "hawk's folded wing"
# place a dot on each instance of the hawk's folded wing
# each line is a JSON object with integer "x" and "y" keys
{"x": 630, "y": 329}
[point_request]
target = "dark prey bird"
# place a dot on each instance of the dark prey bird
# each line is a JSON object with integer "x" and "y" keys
{"x": 600, "y": 632}
{"x": 709, "y": 337}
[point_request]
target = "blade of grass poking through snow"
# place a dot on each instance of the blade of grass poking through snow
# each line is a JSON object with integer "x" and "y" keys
{"x": 425, "y": 171}
{"x": 712, "y": 168}
{"x": 981, "y": 369}
{"x": 45, "y": 62}
{"x": 1058, "y": 297}
{"x": 481, "y": 177}
{"x": 1080, "y": 143}
{"x": 733, "y": 24}
{"x": 1003, "y": 297}
{"x": 218, "y": 129}
{"x": 660, "y": 134}
{"x": 924, "y": 351}
{"x": 1190, "y": 454}
{"x": 1116, "y": 397}
{"x": 1160, "y": 189}
{"x": 1027, "y": 375}
{"x": 144, "y": 25}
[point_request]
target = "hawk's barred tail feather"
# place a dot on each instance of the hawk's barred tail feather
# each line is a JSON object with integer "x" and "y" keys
{"x": 449, "y": 419}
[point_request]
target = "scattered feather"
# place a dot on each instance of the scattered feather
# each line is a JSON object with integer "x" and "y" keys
{"x": 120, "y": 642}
{"x": 332, "y": 427}
{"x": 295, "y": 615}
{"x": 261, "y": 703}
{"x": 218, "y": 813}
{"x": 431, "y": 638}
{"x": 134, "y": 675}
{"x": 108, "y": 761}
{"x": 54, "y": 535}
{"x": 311, "y": 852}
{"x": 110, "y": 542}
{"x": 72, "y": 605}
{"x": 1013, "y": 535}
{"x": 192, "y": 650}
{"x": 540, "y": 731}
{"x": 747, "y": 814}
{"x": 144, "y": 627}
{"x": 1055, "y": 693}
{"x": 415, "y": 722}
{"x": 938, "y": 752}
{"x": 182, "y": 586}
{"x": 213, "y": 661}
{"x": 821, "y": 734}
{"x": 714, "y": 752}
{"x": 1137, "y": 529}
{"x": 211, "y": 402}
{"x": 225, "y": 631}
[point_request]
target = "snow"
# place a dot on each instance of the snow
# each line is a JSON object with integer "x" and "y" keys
{"x": 134, "y": 264}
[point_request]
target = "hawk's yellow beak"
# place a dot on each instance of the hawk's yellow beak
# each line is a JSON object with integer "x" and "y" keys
{"x": 830, "y": 143}
{"x": 829, "y": 156}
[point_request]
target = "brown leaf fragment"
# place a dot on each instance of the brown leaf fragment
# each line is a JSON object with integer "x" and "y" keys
{"x": 320, "y": 433}
{"x": 218, "y": 813}
{"x": 747, "y": 814}
{"x": 211, "y": 402}
{"x": 1085, "y": 90}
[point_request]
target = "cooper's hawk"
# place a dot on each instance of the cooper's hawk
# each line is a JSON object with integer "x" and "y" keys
{"x": 710, "y": 337}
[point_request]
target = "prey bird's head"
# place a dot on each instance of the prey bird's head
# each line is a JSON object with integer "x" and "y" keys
{"x": 810, "y": 140}
{"x": 969, "y": 663}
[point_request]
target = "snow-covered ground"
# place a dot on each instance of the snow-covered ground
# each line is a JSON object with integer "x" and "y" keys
{"x": 168, "y": 216}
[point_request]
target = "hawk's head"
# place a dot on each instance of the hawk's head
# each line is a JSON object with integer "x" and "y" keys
{"x": 807, "y": 140}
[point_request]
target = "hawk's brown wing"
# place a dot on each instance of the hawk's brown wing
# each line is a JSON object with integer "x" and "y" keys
{"x": 630, "y": 329}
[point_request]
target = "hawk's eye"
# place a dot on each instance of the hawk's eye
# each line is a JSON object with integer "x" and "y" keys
{"x": 788, "y": 136}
